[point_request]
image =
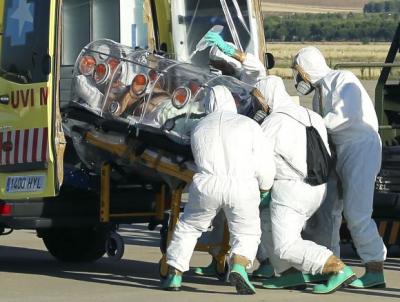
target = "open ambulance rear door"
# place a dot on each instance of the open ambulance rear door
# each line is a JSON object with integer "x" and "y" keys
{"x": 31, "y": 138}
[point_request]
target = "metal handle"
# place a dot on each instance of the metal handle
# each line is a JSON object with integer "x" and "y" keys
{"x": 4, "y": 99}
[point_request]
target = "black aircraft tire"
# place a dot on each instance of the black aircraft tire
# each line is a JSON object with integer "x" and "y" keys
{"x": 75, "y": 244}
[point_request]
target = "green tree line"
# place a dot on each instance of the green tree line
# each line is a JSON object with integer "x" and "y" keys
{"x": 392, "y": 6}
{"x": 331, "y": 27}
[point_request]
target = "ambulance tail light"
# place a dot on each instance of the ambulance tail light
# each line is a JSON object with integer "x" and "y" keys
{"x": 87, "y": 64}
{"x": 5, "y": 209}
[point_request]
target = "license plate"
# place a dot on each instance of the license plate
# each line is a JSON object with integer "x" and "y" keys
{"x": 31, "y": 183}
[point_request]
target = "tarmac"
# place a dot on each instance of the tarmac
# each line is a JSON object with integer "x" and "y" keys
{"x": 29, "y": 273}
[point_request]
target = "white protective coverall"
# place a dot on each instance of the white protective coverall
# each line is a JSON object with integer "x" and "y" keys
{"x": 319, "y": 228}
{"x": 352, "y": 124}
{"x": 293, "y": 201}
{"x": 250, "y": 71}
{"x": 234, "y": 162}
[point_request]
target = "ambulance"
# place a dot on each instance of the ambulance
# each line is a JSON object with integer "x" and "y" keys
{"x": 44, "y": 184}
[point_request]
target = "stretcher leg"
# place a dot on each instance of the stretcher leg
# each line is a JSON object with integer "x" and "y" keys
{"x": 221, "y": 257}
{"x": 174, "y": 216}
{"x": 175, "y": 211}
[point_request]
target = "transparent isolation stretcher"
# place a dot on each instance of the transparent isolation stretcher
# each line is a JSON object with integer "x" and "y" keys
{"x": 148, "y": 91}
{"x": 136, "y": 109}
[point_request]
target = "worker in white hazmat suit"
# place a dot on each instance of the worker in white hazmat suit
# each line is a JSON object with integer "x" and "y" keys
{"x": 234, "y": 162}
{"x": 352, "y": 124}
{"x": 249, "y": 69}
{"x": 293, "y": 199}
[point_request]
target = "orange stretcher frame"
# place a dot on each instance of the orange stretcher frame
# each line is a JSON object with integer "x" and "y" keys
{"x": 158, "y": 161}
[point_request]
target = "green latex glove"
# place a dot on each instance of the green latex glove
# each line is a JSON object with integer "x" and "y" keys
{"x": 265, "y": 198}
{"x": 215, "y": 39}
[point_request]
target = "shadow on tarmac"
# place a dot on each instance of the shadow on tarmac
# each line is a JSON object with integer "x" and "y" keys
{"x": 131, "y": 273}
{"x": 140, "y": 274}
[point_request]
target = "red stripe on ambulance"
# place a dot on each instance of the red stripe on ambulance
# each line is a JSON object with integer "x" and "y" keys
{"x": 45, "y": 151}
{"x": 35, "y": 144}
{"x": 16, "y": 146}
{"x": 27, "y": 146}
{"x": 25, "y": 143}
{"x": 8, "y": 152}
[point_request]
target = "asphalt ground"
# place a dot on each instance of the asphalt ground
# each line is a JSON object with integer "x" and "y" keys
{"x": 29, "y": 273}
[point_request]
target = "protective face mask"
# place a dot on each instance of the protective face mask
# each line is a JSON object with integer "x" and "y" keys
{"x": 304, "y": 87}
{"x": 260, "y": 116}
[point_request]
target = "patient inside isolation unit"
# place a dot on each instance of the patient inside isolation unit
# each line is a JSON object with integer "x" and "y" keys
{"x": 140, "y": 88}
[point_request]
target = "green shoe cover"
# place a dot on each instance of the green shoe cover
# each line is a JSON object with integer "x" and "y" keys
{"x": 264, "y": 271}
{"x": 172, "y": 282}
{"x": 291, "y": 280}
{"x": 239, "y": 278}
{"x": 369, "y": 280}
{"x": 317, "y": 278}
{"x": 209, "y": 271}
{"x": 335, "y": 281}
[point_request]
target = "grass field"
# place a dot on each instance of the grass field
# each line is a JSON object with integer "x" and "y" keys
{"x": 313, "y": 6}
{"x": 334, "y": 53}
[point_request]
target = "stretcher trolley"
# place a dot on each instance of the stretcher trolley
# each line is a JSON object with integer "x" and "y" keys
{"x": 131, "y": 117}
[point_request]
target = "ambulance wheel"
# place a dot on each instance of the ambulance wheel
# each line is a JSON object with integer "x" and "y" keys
{"x": 75, "y": 244}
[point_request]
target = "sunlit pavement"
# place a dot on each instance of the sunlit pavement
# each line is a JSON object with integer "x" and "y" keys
{"x": 29, "y": 273}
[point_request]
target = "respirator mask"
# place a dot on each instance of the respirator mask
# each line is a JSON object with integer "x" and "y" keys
{"x": 301, "y": 81}
{"x": 260, "y": 107}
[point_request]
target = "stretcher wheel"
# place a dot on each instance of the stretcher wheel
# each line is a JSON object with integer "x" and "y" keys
{"x": 115, "y": 246}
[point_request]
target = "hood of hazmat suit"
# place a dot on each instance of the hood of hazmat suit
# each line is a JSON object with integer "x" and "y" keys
{"x": 285, "y": 130}
{"x": 250, "y": 71}
{"x": 311, "y": 60}
{"x": 340, "y": 98}
{"x": 221, "y": 100}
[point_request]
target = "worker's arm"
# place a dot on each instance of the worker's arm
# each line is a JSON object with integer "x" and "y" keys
{"x": 345, "y": 106}
{"x": 253, "y": 70}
